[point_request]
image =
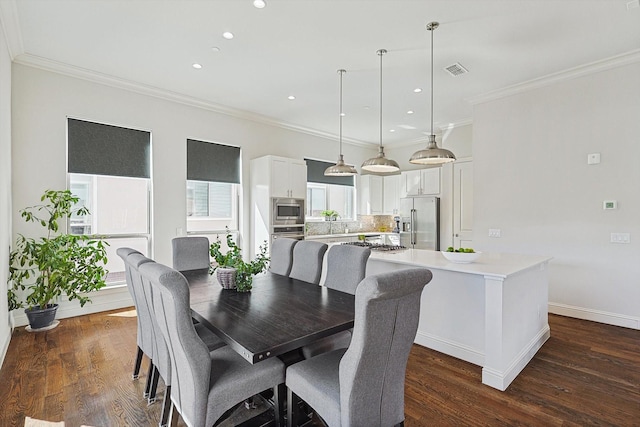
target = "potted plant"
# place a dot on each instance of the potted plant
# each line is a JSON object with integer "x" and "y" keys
{"x": 330, "y": 215}
{"x": 40, "y": 270}
{"x": 231, "y": 270}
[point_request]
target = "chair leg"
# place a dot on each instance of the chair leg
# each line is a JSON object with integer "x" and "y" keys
{"x": 154, "y": 386}
{"x": 136, "y": 367}
{"x": 292, "y": 407}
{"x": 279, "y": 394}
{"x": 174, "y": 416}
{"x": 166, "y": 407}
{"x": 147, "y": 387}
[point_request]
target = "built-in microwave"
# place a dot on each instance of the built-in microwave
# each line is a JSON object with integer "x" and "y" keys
{"x": 288, "y": 211}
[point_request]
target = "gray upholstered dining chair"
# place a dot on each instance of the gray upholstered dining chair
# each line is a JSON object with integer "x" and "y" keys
{"x": 346, "y": 267}
{"x": 207, "y": 383}
{"x": 144, "y": 337}
{"x": 190, "y": 253}
{"x": 307, "y": 261}
{"x": 282, "y": 256}
{"x": 364, "y": 384}
{"x": 161, "y": 360}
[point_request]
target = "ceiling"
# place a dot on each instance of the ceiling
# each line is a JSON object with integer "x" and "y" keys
{"x": 295, "y": 47}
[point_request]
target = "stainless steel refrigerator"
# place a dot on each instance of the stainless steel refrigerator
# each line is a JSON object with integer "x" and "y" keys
{"x": 420, "y": 222}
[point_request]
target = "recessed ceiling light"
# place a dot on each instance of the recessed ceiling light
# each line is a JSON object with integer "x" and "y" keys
{"x": 417, "y": 90}
{"x": 197, "y": 66}
{"x": 259, "y": 3}
{"x": 291, "y": 97}
{"x": 392, "y": 130}
{"x": 410, "y": 112}
{"x": 342, "y": 114}
{"x": 215, "y": 49}
{"x": 366, "y": 107}
{"x": 227, "y": 35}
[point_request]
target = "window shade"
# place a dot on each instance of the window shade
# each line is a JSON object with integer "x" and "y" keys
{"x": 315, "y": 173}
{"x": 211, "y": 162}
{"x": 98, "y": 149}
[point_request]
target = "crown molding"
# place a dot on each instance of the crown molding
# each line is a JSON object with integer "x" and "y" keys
{"x": 627, "y": 58}
{"x": 39, "y": 62}
{"x": 11, "y": 27}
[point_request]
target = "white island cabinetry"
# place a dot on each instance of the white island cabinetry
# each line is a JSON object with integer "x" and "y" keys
{"x": 492, "y": 313}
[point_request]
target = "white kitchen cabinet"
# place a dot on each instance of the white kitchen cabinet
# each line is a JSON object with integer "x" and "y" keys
{"x": 370, "y": 195}
{"x": 420, "y": 182}
{"x": 288, "y": 177}
{"x": 391, "y": 194}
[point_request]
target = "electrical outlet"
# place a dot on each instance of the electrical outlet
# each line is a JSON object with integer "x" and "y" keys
{"x": 494, "y": 232}
{"x": 620, "y": 238}
{"x": 593, "y": 158}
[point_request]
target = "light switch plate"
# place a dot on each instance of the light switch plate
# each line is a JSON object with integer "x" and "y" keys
{"x": 609, "y": 204}
{"x": 620, "y": 238}
{"x": 593, "y": 158}
{"x": 494, "y": 232}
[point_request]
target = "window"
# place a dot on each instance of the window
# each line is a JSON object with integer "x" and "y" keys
{"x": 213, "y": 178}
{"x": 328, "y": 192}
{"x": 109, "y": 170}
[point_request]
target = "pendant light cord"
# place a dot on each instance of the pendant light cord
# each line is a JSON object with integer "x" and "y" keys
{"x": 381, "y": 52}
{"x": 432, "y": 30}
{"x": 341, "y": 74}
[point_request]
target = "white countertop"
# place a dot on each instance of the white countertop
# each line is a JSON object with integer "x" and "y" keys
{"x": 488, "y": 264}
{"x": 365, "y": 233}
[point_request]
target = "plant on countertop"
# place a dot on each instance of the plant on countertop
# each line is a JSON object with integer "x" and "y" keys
{"x": 330, "y": 215}
{"x": 58, "y": 263}
{"x": 233, "y": 259}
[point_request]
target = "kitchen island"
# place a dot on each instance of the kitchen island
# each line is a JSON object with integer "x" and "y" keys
{"x": 492, "y": 313}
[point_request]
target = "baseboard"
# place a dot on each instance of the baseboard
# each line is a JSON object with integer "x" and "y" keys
{"x": 501, "y": 380}
{"x": 451, "y": 348}
{"x": 614, "y": 319}
{"x": 4, "y": 346}
{"x": 105, "y": 299}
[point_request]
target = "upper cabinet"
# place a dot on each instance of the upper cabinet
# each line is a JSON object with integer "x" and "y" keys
{"x": 288, "y": 177}
{"x": 420, "y": 182}
{"x": 378, "y": 195}
{"x": 370, "y": 195}
{"x": 391, "y": 194}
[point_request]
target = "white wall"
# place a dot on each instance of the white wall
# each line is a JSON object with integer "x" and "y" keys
{"x": 532, "y": 181}
{"x": 43, "y": 100}
{"x": 5, "y": 189}
{"x": 458, "y": 140}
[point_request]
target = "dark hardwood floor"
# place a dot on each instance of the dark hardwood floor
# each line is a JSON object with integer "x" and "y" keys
{"x": 587, "y": 374}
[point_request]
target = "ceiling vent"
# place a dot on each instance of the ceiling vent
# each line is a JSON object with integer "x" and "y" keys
{"x": 456, "y": 69}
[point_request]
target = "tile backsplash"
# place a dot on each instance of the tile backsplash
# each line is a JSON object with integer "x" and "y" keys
{"x": 364, "y": 224}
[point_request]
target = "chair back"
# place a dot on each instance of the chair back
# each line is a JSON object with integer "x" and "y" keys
{"x": 282, "y": 256}
{"x": 307, "y": 261}
{"x": 372, "y": 370}
{"x": 145, "y": 335}
{"x": 190, "y": 360}
{"x": 124, "y": 253}
{"x": 161, "y": 358}
{"x": 346, "y": 267}
{"x": 190, "y": 253}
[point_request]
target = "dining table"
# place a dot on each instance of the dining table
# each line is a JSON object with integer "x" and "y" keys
{"x": 277, "y": 316}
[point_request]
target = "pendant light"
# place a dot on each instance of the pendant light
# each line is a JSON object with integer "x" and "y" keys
{"x": 432, "y": 155}
{"x": 380, "y": 163}
{"x": 341, "y": 168}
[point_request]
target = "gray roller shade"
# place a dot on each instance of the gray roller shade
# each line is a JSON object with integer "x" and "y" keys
{"x": 211, "y": 162}
{"x": 99, "y": 149}
{"x": 315, "y": 173}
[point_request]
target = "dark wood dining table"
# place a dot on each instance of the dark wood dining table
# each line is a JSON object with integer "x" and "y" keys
{"x": 277, "y": 316}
